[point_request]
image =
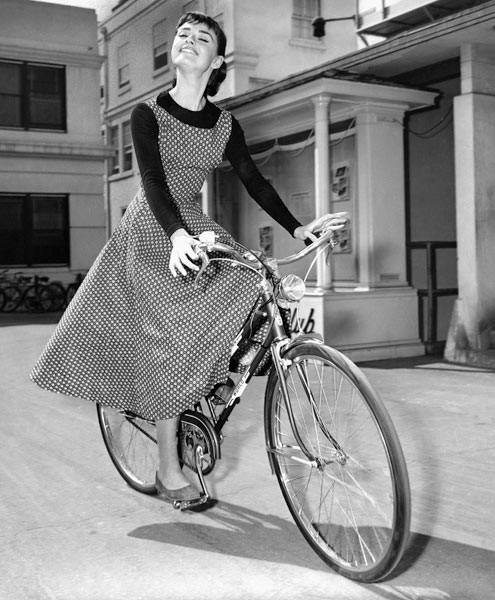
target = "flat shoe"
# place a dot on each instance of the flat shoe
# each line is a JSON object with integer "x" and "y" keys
{"x": 183, "y": 494}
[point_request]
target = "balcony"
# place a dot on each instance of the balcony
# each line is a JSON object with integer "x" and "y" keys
{"x": 390, "y": 17}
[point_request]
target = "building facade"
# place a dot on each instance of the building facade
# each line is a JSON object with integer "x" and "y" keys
{"x": 52, "y": 154}
{"x": 369, "y": 120}
{"x": 449, "y": 46}
{"x": 266, "y": 42}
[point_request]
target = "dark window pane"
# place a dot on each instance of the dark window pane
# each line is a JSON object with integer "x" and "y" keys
{"x": 46, "y": 97}
{"x": 10, "y": 94}
{"x": 49, "y": 247}
{"x": 32, "y": 96}
{"x": 33, "y": 230}
{"x": 49, "y": 235}
{"x": 161, "y": 60}
{"x": 11, "y": 230}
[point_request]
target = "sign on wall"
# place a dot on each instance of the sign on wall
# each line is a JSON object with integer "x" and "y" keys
{"x": 341, "y": 182}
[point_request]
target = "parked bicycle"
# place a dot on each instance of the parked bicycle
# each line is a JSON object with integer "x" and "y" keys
{"x": 43, "y": 295}
{"x": 330, "y": 441}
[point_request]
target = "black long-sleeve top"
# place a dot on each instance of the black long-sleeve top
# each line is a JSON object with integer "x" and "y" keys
{"x": 144, "y": 129}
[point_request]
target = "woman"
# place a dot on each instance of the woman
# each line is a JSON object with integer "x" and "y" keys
{"x": 139, "y": 335}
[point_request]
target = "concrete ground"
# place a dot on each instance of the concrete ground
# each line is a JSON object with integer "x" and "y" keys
{"x": 72, "y": 529}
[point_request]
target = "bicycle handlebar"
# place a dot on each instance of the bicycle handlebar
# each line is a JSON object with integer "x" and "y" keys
{"x": 324, "y": 227}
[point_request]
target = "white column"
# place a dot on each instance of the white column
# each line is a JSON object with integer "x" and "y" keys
{"x": 322, "y": 179}
{"x": 473, "y": 320}
{"x": 379, "y": 226}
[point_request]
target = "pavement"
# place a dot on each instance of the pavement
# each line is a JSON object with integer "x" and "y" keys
{"x": 72, "y": 529}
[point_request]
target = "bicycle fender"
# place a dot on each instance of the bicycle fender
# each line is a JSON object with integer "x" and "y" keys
{"x": 303, "y": 338}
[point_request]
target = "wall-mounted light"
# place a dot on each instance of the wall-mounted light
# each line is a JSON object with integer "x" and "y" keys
{"x": 319, "y": 24}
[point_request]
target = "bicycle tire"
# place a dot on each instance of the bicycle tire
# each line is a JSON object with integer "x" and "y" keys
{"x": 37, "y": 298}
{"x": 57, "y": 295}
{"x": 352, "y": 503}
{"x": 13, "y": 298}
{"x": 132, "y": 445}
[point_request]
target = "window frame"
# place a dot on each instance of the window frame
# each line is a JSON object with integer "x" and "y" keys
{"x": 25, "y": 95}
{"x": 126, "y": 146}
{"x": 121, "y": 164}
{"x": 114, "y": 142}
{"x": 159, "y": 30}
{"x": 123, "y": 66}
{"x": 301, "y": 21}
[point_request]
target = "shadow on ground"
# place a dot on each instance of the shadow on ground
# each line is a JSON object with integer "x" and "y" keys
{"x": 432, "y": 568}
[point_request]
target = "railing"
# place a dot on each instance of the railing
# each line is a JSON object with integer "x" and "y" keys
{"x": 431, "y": 293}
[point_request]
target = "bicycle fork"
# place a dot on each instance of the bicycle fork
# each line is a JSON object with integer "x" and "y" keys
{"x": 281, "y": 366}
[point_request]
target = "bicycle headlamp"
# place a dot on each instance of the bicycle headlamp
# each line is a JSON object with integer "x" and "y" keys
{"x": 291, "y": 288}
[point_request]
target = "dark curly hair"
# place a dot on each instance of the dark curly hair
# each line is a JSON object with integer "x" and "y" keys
{"x": 217, "y": 75}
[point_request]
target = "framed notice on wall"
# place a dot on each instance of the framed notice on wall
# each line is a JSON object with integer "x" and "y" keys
{"x": 266, "y": 240}
{"x": 341, "y": 179}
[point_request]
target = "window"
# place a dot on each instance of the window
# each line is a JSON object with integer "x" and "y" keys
{"x": 34, "y": 230}
{"x": 303, "y": 12}
{"x": 127, "y": 146}
{"x": 114, "y": 141}
{"x": 120, "y": 139}
{"x": 32, "y": 95}
{"x": 160, "y": 45}
{"x": 123, "y": 65}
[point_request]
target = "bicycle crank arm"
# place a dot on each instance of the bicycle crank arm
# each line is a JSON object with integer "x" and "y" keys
{"x": 205, "y": 495}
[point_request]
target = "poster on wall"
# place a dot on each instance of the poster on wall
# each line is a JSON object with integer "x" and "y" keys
{"x": 266, "y": 240}
{"x": 343, "y": 241}
{"x": 341, "y": 182}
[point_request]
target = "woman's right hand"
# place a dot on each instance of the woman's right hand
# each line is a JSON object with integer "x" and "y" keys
{"x": 182, "y": 253}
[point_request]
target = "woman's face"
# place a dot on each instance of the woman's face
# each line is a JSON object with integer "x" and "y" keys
{"x": 195, "y": 46}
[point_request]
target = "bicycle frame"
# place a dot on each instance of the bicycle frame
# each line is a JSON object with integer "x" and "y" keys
{"x": 278, "y": 342}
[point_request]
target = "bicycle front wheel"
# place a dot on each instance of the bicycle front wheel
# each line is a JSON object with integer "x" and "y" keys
{"x": 132, "y": 446}
{"x": 339, "y": 463}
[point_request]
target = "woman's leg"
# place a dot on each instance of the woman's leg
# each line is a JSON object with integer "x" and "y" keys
{"x": 169, "y": 470}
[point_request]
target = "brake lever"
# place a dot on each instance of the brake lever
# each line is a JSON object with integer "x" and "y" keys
{"x": 205, "y": 261}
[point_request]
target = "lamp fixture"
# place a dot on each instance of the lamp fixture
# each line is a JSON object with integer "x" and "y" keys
{"x": 318, "y": 24}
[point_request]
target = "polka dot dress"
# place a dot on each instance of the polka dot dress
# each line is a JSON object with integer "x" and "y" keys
{"x": 134, "y": 337}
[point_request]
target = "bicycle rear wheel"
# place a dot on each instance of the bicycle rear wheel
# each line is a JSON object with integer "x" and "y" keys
{"x": 13, "y": 297}
{"x": 132, "y": 446}
{"x": 343, "y": 476}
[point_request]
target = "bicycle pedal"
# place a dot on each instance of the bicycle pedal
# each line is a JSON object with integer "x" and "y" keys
{"x": 191, "y": 504}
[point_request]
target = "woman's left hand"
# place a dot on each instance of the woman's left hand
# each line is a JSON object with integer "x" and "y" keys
{"x": 304, "y": 233}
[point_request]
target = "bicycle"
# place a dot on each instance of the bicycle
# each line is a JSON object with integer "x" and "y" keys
{"x": 44, "y": 295}
{"x": 329, "y": 439}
